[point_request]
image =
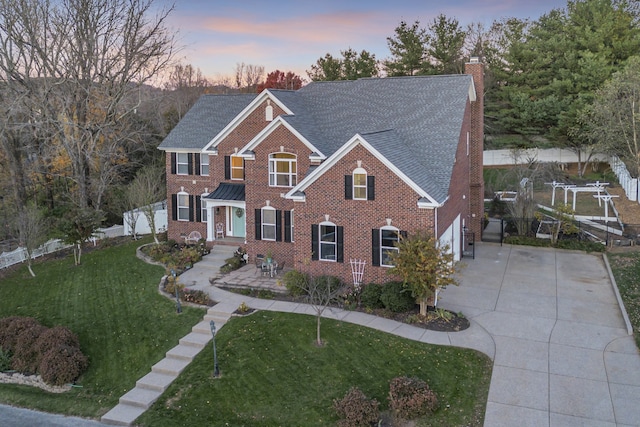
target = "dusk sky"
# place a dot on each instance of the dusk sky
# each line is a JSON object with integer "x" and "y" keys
{"x": 292, "y": 35}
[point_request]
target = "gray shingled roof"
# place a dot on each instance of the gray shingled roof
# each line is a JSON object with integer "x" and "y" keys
{"x": 208, "y": 116}
{"x": 425, "y": 115}
{"x": 415, "y": 122}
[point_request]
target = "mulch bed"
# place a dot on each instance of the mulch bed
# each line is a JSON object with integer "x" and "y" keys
{"x": 434, "y": 322}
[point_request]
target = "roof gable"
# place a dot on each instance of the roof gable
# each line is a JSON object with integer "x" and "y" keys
{"x": 239, "y": 118}
{"x": 369, "y": 142}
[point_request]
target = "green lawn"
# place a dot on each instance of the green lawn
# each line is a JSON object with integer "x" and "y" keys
{"x": 274, "y": 375}
{"x": 111, "y": 302}
{"x": 626, "y": 270}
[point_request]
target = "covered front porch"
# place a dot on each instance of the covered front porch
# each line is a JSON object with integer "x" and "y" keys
{"x": 226, "y": 212}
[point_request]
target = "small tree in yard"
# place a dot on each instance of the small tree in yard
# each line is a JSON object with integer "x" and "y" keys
{"x": 424, "y": 266}
{"x": 319, "y": 293}
{"x": 32, "y": 227}
{"x": 79, "y": 229}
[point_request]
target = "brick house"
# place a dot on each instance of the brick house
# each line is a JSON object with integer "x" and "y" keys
{"x": 333, "y": 171}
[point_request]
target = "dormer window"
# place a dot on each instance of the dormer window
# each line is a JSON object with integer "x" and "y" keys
{"x": 282, "y": 170}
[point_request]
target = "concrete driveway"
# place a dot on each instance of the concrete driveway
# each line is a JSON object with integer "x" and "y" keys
{"x": 564, "y": 355}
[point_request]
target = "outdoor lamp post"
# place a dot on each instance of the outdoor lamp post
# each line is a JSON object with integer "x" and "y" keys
{"x": 175, "y": 286}
{"x": 216, "y": 369}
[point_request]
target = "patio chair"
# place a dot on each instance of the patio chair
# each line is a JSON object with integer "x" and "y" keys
{"x": 260, "y": 263}
{"x": 279, "y": 268}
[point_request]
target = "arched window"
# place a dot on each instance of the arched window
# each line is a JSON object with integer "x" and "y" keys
{"x": 183, "y": 206}
{"x": 268, "y": 216}
{"x": 203, "y": 208}
{"x": 282, "y": 170}
{"x": 359, "y": 184}
{"x": 389, "y": 238}
{"x": 328, "y": 241}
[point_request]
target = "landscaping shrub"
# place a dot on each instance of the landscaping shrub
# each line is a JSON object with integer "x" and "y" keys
{"x": 396, "y": 298}
{"x": 356, "y": 410}
{"x": 196, "y": 297}
{"x": 26, "y": 357}
{"x": 10, "y": 328}
{"x": 53, "y": 337}
{"x": 62, "y": 365}
{"x": 231, "y": 264}
{"x": 54, "y": 353}
{"x": 370, "y": 296}
{"x": 5, "y": 360}
{"x": 411, "y": 397}
{"x": 295, "y": 282}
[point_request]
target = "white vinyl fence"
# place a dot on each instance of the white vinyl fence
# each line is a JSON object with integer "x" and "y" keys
{"x": 19, "y": 255}
{"x": 629, "y": 184}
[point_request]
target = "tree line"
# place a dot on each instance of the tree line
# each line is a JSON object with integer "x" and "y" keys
{"x": 89, "y": 88}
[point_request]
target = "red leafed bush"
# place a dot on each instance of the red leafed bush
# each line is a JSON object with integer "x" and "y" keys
{"x": 10, "y": 328}
{"x": 411, "y": 397}
{"x": 26, "y": 357}
{"x": 62, "y": 365}
{"x": 356, "y": 410}
{"x": 53, "y": 337}
{"x": 54, "y": 353}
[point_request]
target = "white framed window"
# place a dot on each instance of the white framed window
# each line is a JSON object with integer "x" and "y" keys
{"x": 327, "y": 241}
{"x": 268, "y": 223}
{"x": 292, "y": 233}
{"x": 204, "y": 164}
{"x": 282, "y": 170}
{"x": 237, "y": 167}
{"x": 359, "y": 184}
{"x": 182, "y": 163}
{"x": 203, "y": 209}
{"x": 183, "y": 207}
{"x": 389, "y": 238}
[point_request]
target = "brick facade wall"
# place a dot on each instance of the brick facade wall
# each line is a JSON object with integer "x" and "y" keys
{"x": 394, "y": 199}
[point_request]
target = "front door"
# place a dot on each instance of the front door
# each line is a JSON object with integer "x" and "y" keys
{"x": 237, "y": 222}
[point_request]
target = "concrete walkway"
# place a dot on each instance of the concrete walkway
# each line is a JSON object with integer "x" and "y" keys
{"x": 563, "y": 354}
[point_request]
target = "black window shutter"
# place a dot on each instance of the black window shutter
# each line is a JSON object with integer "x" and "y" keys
{"x": 191, "y": 203}
{"x": 198, "y": 209}
{"x": 278, "y": 225}
{"x": 315, "y": 245}
{"x": 258, "y": 224}
{"x": 348, "y": 187}
{"x": 375, "y": 247}
{"x": 174, "y": 207}
{"x": 371, "y": 187}
{"x": 189, "y": 164}
{"x": 196, "y": 163}
{"x": 287, "y": 226}
{"x": 227, "y": 167}
{"x": 340, "y": 244}
{"x": 173, "y": 163}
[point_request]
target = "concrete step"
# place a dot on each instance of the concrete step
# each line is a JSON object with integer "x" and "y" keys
{"x": 204, "y": 327}
{"x": 195, "y": 339}
{"x": 170, "y": 366}
{"x": 122, "y": 415}
{"x": 183, "y": 352}
{"x": 155, "y": 381}
{"x": 140, "y": 397}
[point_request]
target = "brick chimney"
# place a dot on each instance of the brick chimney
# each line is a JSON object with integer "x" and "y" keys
{"x": 476, "y": 146}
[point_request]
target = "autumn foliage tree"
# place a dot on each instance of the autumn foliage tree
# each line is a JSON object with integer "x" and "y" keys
{"x": 280, "y": 80}
{"x": 425, "y": 266}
